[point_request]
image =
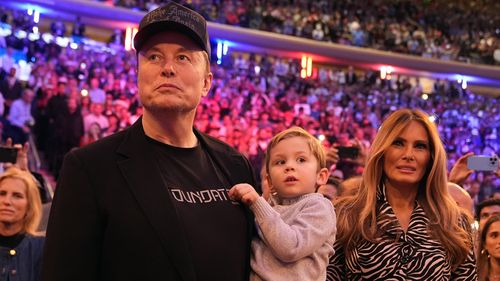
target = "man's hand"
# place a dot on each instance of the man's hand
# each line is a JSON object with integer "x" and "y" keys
{"x": 459, "y": 172}
{"x": 243, "y": 192}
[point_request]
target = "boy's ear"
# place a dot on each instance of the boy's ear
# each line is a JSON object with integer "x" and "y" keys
{"x": 272, "y": 191}
{"x": 322, "y": 177}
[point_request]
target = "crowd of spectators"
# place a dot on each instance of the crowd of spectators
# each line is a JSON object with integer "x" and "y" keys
{"x": 84, "y": 94}
{"x": 467, "y": 31}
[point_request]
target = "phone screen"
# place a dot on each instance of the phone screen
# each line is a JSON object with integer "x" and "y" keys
{"x": 8, "y": 154}
{"x": 482, "y": 163}
{"x": 348, "y": 152}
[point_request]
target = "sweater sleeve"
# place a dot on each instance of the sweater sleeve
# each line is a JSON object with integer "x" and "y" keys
{"x": 309, "y": 226}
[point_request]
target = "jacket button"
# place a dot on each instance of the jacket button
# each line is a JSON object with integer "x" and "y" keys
{"x": 13, "y": 272}
{"x": 12, "y": 252}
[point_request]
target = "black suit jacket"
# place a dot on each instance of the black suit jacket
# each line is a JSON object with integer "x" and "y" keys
{"x": 111, "y": 219}
{"x": 11, "y": 93}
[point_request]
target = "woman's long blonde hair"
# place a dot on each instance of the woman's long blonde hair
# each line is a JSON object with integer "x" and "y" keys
{"x": 34, "y": 209}
{"x": 357, "y": 214}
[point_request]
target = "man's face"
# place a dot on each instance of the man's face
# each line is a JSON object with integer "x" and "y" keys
{"x": 486, "y": 213}
{"x": 172, "y": 74}
{"x": 28, "y": 96}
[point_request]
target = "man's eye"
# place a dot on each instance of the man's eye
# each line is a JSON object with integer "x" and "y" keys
{"x": 301, "y": 159}
{"x": 279, "y": 162}
{"x": 153, "y": 57}
{"x": 183, "y": 58}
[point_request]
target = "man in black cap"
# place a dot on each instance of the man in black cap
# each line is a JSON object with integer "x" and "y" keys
{"x": 150, "y": 203}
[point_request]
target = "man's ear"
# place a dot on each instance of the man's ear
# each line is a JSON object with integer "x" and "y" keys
{"x": 207, "y": 83}
{"x": 322, "y": 176}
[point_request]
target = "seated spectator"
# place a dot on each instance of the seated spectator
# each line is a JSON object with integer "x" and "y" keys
{"x": 21, "y": 211}
{"x": 7, "y": 62}
{"x": 95, "y": 116}
{"x": 11, "y": 89}
{"x": 96, "y": 94}
{"x": 330, "y": 189}
{"x": 462, "y": 198}
{"x": 488, "y": 259}
{"x": 20, "y": 118}
{"x": 487, "y": 209}
{"x": 58, "y": 28}
{"x": 93, "y": 134}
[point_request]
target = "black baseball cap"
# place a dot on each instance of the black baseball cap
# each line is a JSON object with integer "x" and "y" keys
{"x": 173, "y": 17}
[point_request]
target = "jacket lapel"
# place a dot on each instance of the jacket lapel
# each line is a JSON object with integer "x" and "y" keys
{"x": 143, "y": 176}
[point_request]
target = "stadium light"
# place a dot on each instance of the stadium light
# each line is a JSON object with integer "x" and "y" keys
{"x": 464, "y": 84}
{"x": 36, "y": 17}
{"x": 129, "y": 36}
{"x": 386, "y": 72}
{"x": 219, "y": 52}
{"x": 222, "y": 50}
{"x": 306, "y": 64}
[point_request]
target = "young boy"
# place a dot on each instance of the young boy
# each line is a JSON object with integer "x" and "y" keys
{"x": 297, "y": 230}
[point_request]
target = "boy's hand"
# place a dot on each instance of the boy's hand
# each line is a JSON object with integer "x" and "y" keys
{"x": 243, "y": 192}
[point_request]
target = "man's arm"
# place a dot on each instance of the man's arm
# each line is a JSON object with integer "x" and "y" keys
{"x": 74, "y": 235}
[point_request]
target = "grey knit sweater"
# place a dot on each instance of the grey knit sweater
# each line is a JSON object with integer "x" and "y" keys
{"x": 296, "y": 238}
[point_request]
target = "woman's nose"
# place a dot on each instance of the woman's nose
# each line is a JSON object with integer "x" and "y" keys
{"x": 408, "y": 154}
{"x": 5, "y": 200}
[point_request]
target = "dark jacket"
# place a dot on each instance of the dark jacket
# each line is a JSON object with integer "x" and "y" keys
{"x": 111, "y": 218}
{"x": 24, "y": 263}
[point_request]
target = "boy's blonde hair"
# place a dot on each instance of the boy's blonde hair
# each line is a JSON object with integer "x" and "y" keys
{"x": 314, "y": 144}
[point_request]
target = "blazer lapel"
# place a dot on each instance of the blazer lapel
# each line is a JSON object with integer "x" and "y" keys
{"x": 143, "y": 176}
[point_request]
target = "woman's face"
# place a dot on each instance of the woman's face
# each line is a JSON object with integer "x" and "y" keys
{"x": 13, "y": 201}
{"x": 492, "y": 243}
{"x": 406, "y": 159}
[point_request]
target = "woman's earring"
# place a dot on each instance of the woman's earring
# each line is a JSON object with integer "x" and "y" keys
{"x": 484, "y": 252}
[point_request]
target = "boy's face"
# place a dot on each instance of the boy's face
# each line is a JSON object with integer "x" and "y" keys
{"x": 293, "y": 169}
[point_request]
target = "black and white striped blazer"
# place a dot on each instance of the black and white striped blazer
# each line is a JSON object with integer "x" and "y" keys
{"x": 397, "y": 255}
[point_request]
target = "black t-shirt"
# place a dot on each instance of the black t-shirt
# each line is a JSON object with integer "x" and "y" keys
{"x": 215, "y": 226}
{"x": 11, "y": 241}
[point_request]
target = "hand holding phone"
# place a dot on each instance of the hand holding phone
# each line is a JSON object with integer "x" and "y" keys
{"x": 482, "y": 163}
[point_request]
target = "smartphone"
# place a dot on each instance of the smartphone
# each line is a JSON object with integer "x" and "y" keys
{"x": 482, "y": 163}
{"x": 348, "y": 152}
{"x": 8, "y": 154}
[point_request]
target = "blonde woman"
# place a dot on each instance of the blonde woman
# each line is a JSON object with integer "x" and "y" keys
{"x": 20, "y": 213}
{"x": 402, "y": 223}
